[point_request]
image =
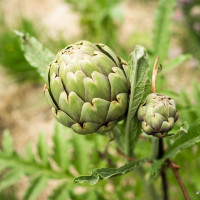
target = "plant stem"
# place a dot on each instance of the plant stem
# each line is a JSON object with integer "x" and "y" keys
{"x": 154, "y": 75}
{"x": 176, "y": 173}
{"x": 162, "y": 173}
{"x": 164, "y": 185}
{"x": 154, "y": 148}
{"x": 157, "y": 144}
{"x": 157, "y": 153}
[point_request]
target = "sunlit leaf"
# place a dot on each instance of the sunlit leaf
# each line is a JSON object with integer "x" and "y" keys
{"x": 35, "y": 53}
{"x": 138, "y": 75}
{"x": 7, "y": 143}
{"x": 35, "y": 188}
{"x": 106, "y": 173}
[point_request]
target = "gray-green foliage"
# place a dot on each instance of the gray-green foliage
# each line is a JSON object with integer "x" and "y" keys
{"x": 47, "y": 163}
{"x": 40, "y": 166}
{"x": 55, "y": 163}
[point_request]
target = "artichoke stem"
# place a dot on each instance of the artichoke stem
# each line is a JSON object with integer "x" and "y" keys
{"x": 154, "y": 75}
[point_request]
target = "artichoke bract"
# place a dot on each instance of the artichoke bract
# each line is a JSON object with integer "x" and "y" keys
{"x": 87, "y": 87}
{"x": 158, "y": 114}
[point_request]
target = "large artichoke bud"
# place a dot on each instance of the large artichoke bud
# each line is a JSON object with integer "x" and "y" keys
{"x": 87, "y": 87}
{"x": 158, "y": 114}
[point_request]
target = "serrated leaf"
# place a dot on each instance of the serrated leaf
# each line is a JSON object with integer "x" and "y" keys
{"x": 106, "y": 173}
{"x": 155, "y": 168}
{"x": 138, "y": 74}
{"x": 10, "y": 178}
{"x": 183, "y": 130}
{"x": 187, "y": 140}
{"x": 35, "y": 53}
{"x": 161, "y": 29}
{"x": 175, "y": 62}
{"x": 17, "y": 162}
{"x": 7, "y": 143}
{"x": 60, "y": 147}
{"x": 60, "y": 193}
{"x": 29, "y": 152}
{"x": 35, "y": 188}
{"x": 80, "y": 153}
{"x": 42, "y": 149}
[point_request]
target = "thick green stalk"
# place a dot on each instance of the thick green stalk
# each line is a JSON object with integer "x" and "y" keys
{"x": 154, "y": 148}
{"x": 157, "y": 153}
{"x": 162, "y": 173}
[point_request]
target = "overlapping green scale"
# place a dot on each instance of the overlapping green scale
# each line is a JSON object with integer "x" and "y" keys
{"x": 158, "y": 114}
{"x": 87, "y": 87}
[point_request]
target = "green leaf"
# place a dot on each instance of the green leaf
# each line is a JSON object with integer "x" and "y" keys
{"x": 35, "y": 188}
{"x": 106, "y": 173}
{"x": 155, "y": 168}
{"x": 29, "y": 153}
{"x": 35, "y": 53}
{"x": 161, "y": 29}
{"x": 187, "y": 140}
{"x": 7, "y": 143}
{"x": 81, "y": 158}
{"x": 138, "y": 74}
{"x": 175, "y": 62}
{"x": 10, "y": 178}
{"x": 183, "y": 130}
{"x": 43, "y": 151}
{"x": 60, "y": 193}
{"x": 17, "y": 162}
{"x": 60, "y": 147}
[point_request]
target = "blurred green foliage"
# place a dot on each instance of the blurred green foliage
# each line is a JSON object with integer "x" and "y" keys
{"x": 191, "y": 17}
{"x": 11, "y": 55}
{"x": 62, "y": 162}
{"x": 100, "y": 22}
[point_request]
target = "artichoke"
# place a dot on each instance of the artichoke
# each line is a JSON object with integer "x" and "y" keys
{"x": 158, "y": 114}
{"x": 87, "y": 87}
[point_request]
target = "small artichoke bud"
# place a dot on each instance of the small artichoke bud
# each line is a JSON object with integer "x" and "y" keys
{"x": 158, "y": 114}
{"x": 87, "y": 87}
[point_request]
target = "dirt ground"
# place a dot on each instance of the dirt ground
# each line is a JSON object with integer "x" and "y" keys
{"x": 23, "y": 108}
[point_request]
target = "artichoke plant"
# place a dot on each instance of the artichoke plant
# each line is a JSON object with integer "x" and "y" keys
{"x": 87, "y": 87}
{"x": 158, "y": 114}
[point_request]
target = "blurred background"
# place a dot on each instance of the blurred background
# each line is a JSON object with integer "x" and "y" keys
{"x": 121, "y": 24}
